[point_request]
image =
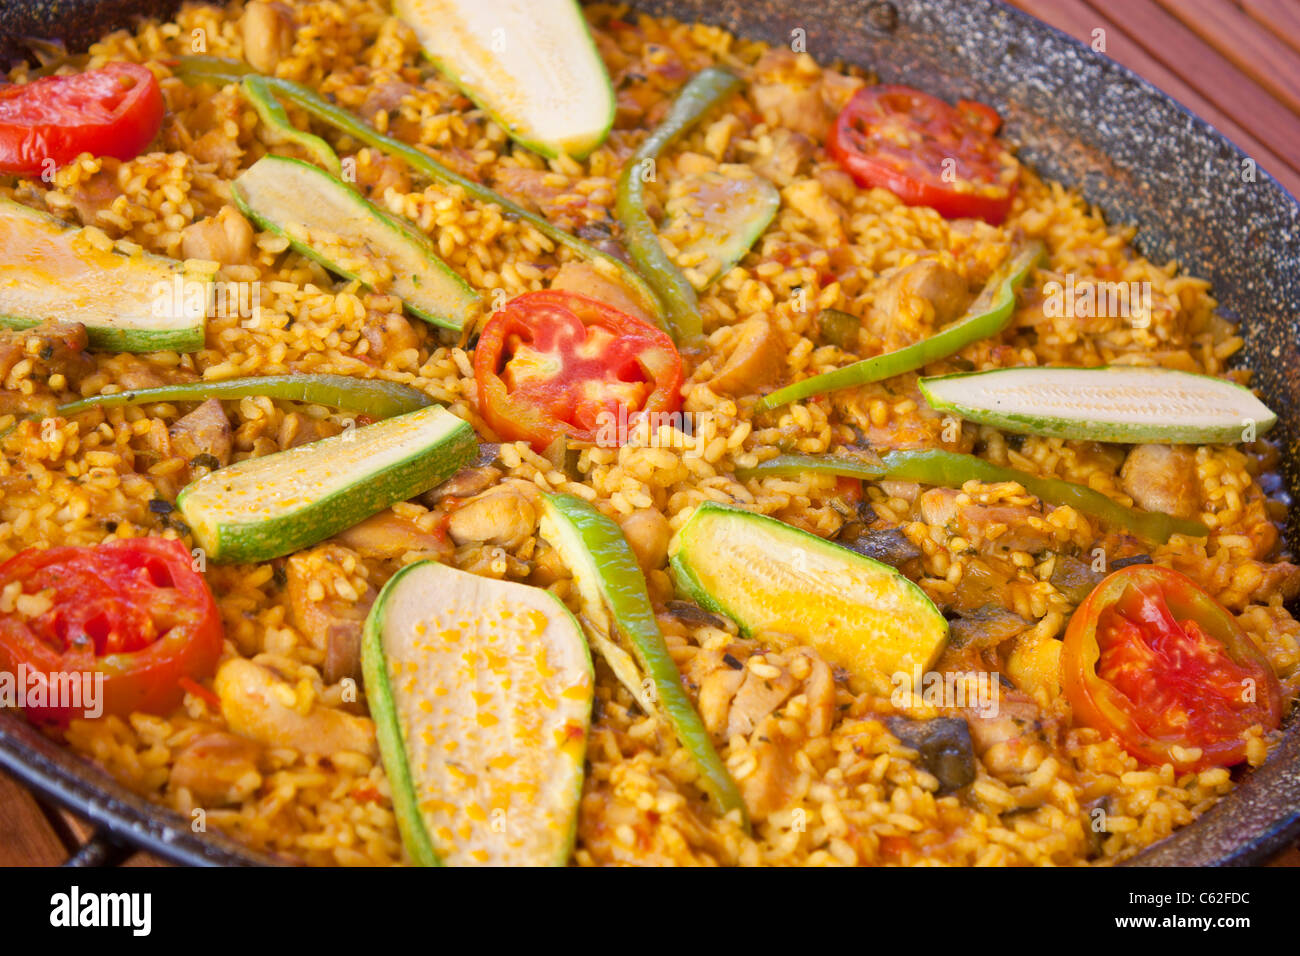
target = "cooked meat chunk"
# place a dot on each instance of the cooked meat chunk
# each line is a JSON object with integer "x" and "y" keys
{"x": 267, "y": 31}
{"x": 218, "y": 768}
{"x": 647, "y": 532}
{"x": 466, "y": 483}
{"x": 204, "y": 431}
{"x": 389, "y": 334}
{"x": 1013, "y": 741}
{"x": 931, "y": 281}
{"x": 987, "y": 626}
{"x": 755, "y": 358}
{"x": 226, "y": 238}
{"x": 790, "y": 150}
{"x": 502, "y": 516}
{"x": 585, "y": 279}
{"x": 261, "y": 706}
{"x": 329, "y": 621}
{"x": 756, "y": 698}
{"x": 888, "y": 545}
{"x": 993, "y": 528}
{"x": 96, "y": 192}
{"x": 54, "y": 348}
{"x": 387, "y": 536}
{"x": 787, "y": 91}
{"x": 1163, "y": 478}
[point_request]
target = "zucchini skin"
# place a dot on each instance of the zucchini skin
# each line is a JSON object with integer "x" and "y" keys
{"x": 1158, "y": 430}
{"x": 689, "y": 584}
{"x": 233, "y": 542}
{"x": 401, "y": 231}
{"x": 388, "y": 730}
{"x": 101, "y": 338}
{"x": 406, "y": 11}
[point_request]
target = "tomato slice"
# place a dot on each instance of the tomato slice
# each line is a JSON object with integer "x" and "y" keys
{"x": 113, "y": 111}
{"x": 1154, "y": 661}
{"x": 134, "y": 611}
{"x": 926, "y": 152}
{"x": 554, "y": 364}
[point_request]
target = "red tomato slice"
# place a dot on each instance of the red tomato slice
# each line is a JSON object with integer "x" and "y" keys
{"x": 132, "y": 610}
{"x": 113, "y": 111}
{"x": 1154, "y": 661}
{"x": 554, "y": 364}
{"x": 926, "y": 152}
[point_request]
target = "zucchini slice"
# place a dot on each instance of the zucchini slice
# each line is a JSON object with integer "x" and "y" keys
{"x": 329, "y": 221}
{"x": 714, "y": 218}
{"x": 481, "y": 694}
{"x": 128, "y": 303}
{"x": 1111, "y": 403}
{"x": 777, "y": 580}
{"x": 616, "y": 605}
{"x": 530, "y": 64}
{"x": 261, "y": 508}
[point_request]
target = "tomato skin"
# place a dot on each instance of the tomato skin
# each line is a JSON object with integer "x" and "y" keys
{"x": 865, "y": 141}
{"x": 113, "y": 111}
{"x": 557, "y": 364}
{"x": 133, "y": 610}
{"x": 1152, "y": 633}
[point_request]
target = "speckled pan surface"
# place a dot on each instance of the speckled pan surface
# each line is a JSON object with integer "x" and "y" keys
{"x": 1077, "y": 117}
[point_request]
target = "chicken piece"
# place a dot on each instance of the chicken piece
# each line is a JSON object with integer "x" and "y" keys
{"x": 96, "y": 192}
{"x": 788, "y": 92}
{"x": 267, "y": 31}
{"x": 333, "y": 623}
{"x": 770, "y": 787}
{"x": 809, "y": 198}
{"x": 299, "y": 429}
{"x": 1013, "y": 742}
{"x": 550, "y": 194}
{"x": 995, "y": 529}
{"x": 214, "y": 148}
{"x": 714, "y": 701}
{"x": 218, "y": 768}
{"x": 585, "y": 279}
{"x": 379, "y": 173}
{"x": 466, "y": 483}
{"x": 819, "y": 687}
{"x": 257, "y": 704}
{"x": 384, "y": 97}
{"x": 226, "y": 238}
{"x": 502, "y": 516}
{"x": 790, "y": 150}
{"x": 647, "y": 532}
{"x": 1163, "y": 478}
{"x": 55, "y": 348}
{"x": 757, "y": 698}
{"x": 755, "y": 357}
{"x": 931, "y": 281}
{"x": 133, "y": 373}
{"x": 203, "y": 432}
{"x": 389, "y": 334}
{"x": 387, "y": 536}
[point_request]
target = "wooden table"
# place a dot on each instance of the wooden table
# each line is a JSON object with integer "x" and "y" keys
{"x": 1236, "y": 63}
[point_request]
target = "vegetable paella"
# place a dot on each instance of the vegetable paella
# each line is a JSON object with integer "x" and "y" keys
{"x": 538, "y": 434}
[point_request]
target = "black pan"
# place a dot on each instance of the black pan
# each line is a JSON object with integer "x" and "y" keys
{"x": 1077, "y": 117}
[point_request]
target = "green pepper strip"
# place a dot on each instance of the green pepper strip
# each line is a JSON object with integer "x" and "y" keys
{"x": 952, "y": 470}
{"x": 623, "y": 587}
{"x": 373, "y": 397}
{"x": 270, "y": 112}
{"x": 208, "y": 69}
{"x": 701, "y": 94}
{"x": 987, "y": 317}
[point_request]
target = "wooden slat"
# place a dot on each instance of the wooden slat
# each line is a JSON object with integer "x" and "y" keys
{"x": 1244, "y": 43}
{"x": 1165, "y": 38}
{"x": 1282, "y": 17}
{"x": 26, "y": 837}
{"x": 1078, "y": 19}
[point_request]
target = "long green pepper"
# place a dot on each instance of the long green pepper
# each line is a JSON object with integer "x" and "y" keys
{"x": 622, "y": 587}
{"x": 704, "y": 91}
{"x": 950, "y": 469}
{"x": 987, "y": 317}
